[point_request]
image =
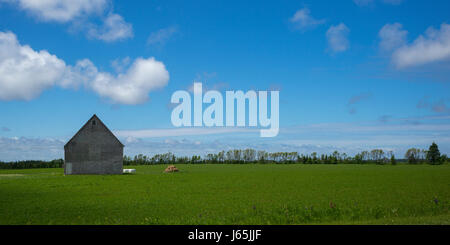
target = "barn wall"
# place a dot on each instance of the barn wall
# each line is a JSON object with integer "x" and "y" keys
{"x": 94, "y": 151}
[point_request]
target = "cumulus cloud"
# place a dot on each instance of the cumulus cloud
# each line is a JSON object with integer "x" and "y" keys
{"x": 113, "y": 28}
{"x": 303, "y": 20}
{"x": 392, "y": 36}
{"x": 60, "y": 11}
{"x": 25, "y": 73}
{"x": 132, "y": 87}
{"x": 78, "y": 13}
{"x": 337, "y": 38}
{"x": 432, "y": 47}
{"x": 161, "y": 36}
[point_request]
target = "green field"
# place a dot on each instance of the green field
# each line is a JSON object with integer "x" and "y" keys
{"x": 231, "y": 194}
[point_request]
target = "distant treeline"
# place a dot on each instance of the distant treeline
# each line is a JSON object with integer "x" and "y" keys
{"x": 251, "y": 156}
{"x": 58, "y": 163}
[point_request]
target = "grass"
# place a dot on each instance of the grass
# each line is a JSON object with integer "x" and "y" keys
{"x": 231, "y": 194}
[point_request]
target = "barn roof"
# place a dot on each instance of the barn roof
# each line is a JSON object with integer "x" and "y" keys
{"x": 101, "y": 123}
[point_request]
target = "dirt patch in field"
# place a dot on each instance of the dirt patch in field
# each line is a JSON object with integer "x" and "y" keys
{"x": 171, "y": 169}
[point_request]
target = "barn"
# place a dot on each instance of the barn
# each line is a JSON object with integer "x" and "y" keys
{"x": 93, "y": 150}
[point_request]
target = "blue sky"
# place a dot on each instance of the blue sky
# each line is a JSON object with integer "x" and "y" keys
{"x": 353, "y": 75}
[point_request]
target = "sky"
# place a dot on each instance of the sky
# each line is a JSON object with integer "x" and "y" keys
{"x": 352, "y": 75}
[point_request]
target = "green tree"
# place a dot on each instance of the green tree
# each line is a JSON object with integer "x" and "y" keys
{"x": 393, "y": 161}
{"x": 358, "y": 158}
{"x": 412, "y": 155}
{"x": 433, "y": 154}
{"x": 377, "y": 155}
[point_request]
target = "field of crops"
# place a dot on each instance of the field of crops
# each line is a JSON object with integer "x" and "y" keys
{"x": 231, "y": 194}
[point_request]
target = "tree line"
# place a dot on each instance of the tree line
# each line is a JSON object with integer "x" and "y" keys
{"x": 238, "y": 156}
{"x": 57, "y": 163}
{"x": 251, "y": 156}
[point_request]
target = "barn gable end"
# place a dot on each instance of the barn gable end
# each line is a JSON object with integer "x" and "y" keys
{"x": 93, "y": 150}
{"x": 90, "y": 123}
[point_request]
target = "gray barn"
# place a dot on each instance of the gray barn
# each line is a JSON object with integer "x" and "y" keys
{"x": 93, "y": 150}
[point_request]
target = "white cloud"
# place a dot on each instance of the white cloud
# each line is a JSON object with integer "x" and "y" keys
{"x": 114, "y": 28}
{"x": 303, "y": 19}
{"x": 21, "y": 148}
{"x": 25, "y": 73}
{"x": 120, "y": 65}
{"x": 337, "y": 38}
{"x": 60, "y": 10}
{"x": 432, "y": 47}
{"x": 132, "y": 87}
{"x": 78, "y": 12}
{"x": 392, "y": 36}
{"x": 161, "y": 36}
